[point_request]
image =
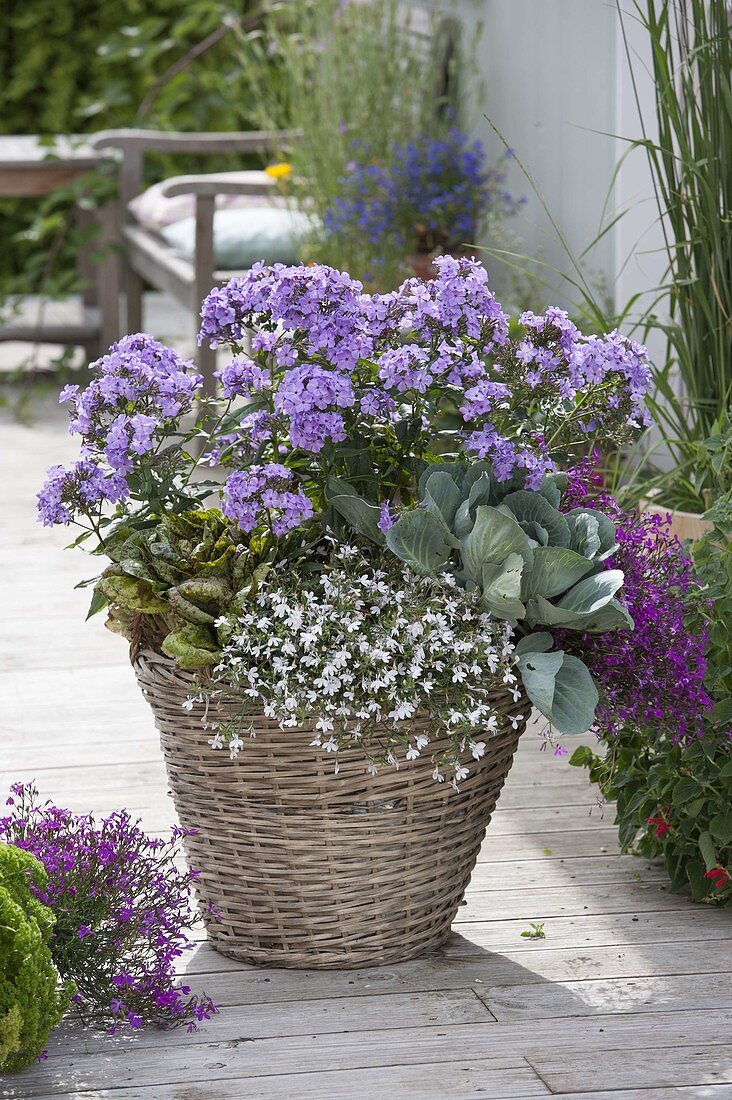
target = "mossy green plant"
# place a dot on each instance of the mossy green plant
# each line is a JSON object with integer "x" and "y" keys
{"x": 32, "y": 999}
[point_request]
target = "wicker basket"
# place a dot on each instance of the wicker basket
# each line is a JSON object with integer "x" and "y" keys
{"x": 309, "y": 869}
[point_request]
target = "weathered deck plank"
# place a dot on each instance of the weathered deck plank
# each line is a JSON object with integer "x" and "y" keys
{"x": 628, "y": 997}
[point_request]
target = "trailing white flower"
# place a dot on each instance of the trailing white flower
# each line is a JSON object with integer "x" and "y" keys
{"x": 360, "y": 649}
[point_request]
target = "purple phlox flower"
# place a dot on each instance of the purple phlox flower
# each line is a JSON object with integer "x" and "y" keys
{"x": 243, "y": 377}
{"x": 507, "y": 457}
{"x": 265, "y": 495}
{"x": 405, "y": 368}
{"x": 318, "y": 306}
{"x": 457, "y": 303}
{"x": 67, "y": 493}
{"x": 386, "y": 518}
{"x": 309, "y": 388}
{"x": 377, "y": 404}
{"x": 483, "y": 398}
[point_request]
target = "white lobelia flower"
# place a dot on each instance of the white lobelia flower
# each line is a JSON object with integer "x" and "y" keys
{"x": 362, "y": 646}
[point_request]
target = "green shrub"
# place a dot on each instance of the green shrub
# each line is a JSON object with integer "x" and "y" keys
{"x": 31, "y": 1000}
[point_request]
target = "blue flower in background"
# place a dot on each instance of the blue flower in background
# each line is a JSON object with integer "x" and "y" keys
{"x": 432, "y": 195}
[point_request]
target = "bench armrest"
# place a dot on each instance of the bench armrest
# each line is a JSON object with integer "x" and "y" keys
{"x": 220, "y": 183}
{"x": 167, "y": 141}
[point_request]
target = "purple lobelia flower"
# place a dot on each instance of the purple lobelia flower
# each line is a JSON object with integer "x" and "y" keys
{"x": 430, "y": 194}
{"x": 653, "y": 675}
{"x": 122, "y": 910}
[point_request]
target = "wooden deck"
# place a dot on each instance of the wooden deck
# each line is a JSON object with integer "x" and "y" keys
{"x": 628, "y": 997}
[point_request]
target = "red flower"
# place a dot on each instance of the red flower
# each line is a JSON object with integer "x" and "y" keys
{"x": 662, "y": 826}
{"x": 719, "y": 877}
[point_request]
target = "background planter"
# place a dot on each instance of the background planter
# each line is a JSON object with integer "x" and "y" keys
{"x": 684, "y": 525}
{"x": 309, "y": 869}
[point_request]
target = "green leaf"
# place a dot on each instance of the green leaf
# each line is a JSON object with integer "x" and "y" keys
{"x": 98, "y": 601}
{"x": 582, "y": 757}
{"x": 360, "y": 513}
{"x": 555, "y": 569}
{"x": 626, "y": 834}
{"x": 605, "y": 528}
{"x": 575, "y": 697}
{"x": 456, "y": 470}
{"x": 477, "y": 471}
{"x": 538, "y": 642}
{"x": 463, "y": 520}
{"x": 562, "y": 688}
{"x": 192, "y": 646}
{"x": 723, "y": 713}
{"x": 686, "y": 789}
{"x": 610, "y": 617}
{"x": 419, "y": 538}
{"x": 133, "y": 595}
{"x": 494, "y": 536}
{"x": 536, "y": 515}
{"x": 721, "y": 828}
{"x": 550, "y": 491}
{"x": 584, "y": 535}
{"x": 592, "y": 593}
{"x": 707, "y": 849}
{"x": 539, "y": 672}
{"x": 613, "y": 616}
{"x": 502, "y": 588}
{"x": 482, "y": 491}
{"x": 442, "y": 496}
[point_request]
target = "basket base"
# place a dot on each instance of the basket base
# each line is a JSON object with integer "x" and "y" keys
{"x": 348, "y": 959}
{"x": 308, "y": 870}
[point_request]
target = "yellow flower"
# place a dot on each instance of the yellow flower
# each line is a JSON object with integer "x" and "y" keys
{"x": 279, "y": 171}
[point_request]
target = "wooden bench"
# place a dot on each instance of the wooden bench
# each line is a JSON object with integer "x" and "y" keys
{"x": 147, "y": 257}
{"x": 31, "y": 168}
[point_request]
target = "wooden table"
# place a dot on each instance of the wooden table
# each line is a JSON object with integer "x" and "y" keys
{"x": 30, "y": 168}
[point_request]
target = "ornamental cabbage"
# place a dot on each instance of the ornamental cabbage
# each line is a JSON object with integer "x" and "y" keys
{"x": 534, "y": 566}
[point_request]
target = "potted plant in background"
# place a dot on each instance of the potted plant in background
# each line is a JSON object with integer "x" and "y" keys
{"x": 394, "y": 572}
{"x": 425, "y": 197}
{"x": 408, "y": 63}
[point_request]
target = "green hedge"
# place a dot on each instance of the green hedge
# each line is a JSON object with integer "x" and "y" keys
{"x": 77, "y": 66}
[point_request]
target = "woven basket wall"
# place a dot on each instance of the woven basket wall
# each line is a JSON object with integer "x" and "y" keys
{"x": 309, "y": 869}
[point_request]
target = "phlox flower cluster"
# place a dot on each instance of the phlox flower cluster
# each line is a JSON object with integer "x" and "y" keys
{"x": 266, "y": 496}
{"x": 82, "y": 488}
{"x": 357, "y": 650}
{"x": 328, "y": 381}
{"x": 325, "y": 307}
{"x": 330, "y": 363}
{"x": 430, "y": 193}
{"x": 138, "y": 393}
{"x": 122, "y": 909}
{"x": 653, "y": 676}
{"x": 581, "y": 388}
